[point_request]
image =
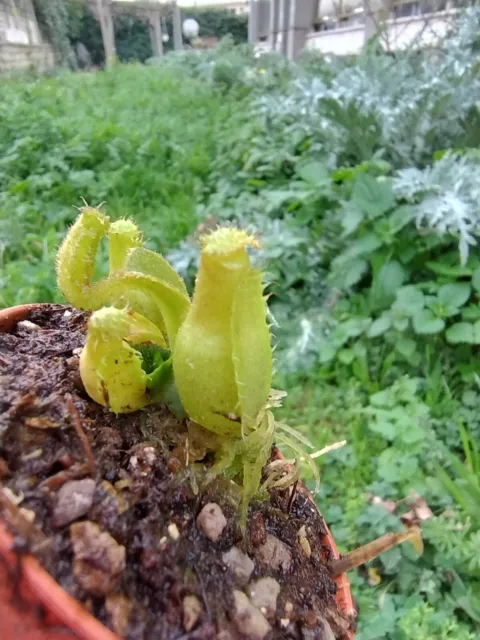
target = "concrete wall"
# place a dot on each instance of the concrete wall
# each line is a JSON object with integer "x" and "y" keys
{"x": 401, "y": 33}
{"x": 15, "y": 57}
{"x": 339, "y": 42}
{"x": 21, "y": 45}
{"x": 18, "y": 23}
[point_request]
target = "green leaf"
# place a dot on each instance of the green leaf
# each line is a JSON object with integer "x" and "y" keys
{"x": 464, "y": 332}
{"x": 346, "y": 356}
{"x": 391, "y": 559}
{"x": 277, "y": 198}
{"x": 379, "y": 326}
{"x": 371, "y": 196}
{"x": 476, "y": 279}
{"x": 400, "y": 324}
{"x": 401, "y": 217}
{"x": 472, "y": 312}
{"x": 406, "y": 347}
{"x": 351, "y": 218}
{"x": 389, "y": 279}
{"x": 327, "y": 351}
{"x": 355, "y": 326}
{"x": 314, "y": 173}
{"x": 425, "y": 322}
{"x": 382, "y": 399}
{"x": 448, "y": 271}
{"x": 412, "y": 434}
{"x": 163, "y": 390}
{"x": 355, "y": 273}
{"x": 385, "y": 428}
{"x": 366, "y": 244}
{"x": 454, "y": 295}
{"x": 410, "y": 300}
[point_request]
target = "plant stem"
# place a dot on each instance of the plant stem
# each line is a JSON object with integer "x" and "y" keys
{"x": 373, "y": 549}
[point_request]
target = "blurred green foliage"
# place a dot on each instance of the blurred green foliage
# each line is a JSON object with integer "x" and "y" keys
{"x": 139, "y": 138}
{"x": 132, "y": 39}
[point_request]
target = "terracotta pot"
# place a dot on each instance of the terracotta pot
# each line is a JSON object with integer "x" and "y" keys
{"x": 34, "y": 607}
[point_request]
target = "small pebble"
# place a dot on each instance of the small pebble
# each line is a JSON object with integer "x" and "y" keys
{"x": 4, "y": 470}
{"x": 73, "y": 501}
{"x": 263, "y": 594}
{"x": 119, "y": 607}
{"x": 192, "y": 610}
{"x": 307, "y": 549}
{"x": 248, "y": 619}
{"x": 28, "y": 514}
{"x": 26, "y": 325}
{"x": 239, "y": 564}
{"x": 99, "y": 560}
{"x": 311, "y": 618}
{"x": 173, "y": 531}
{"x": 16, "y": 498}
{"x": 211, "y": 521}
{"x": 288, "y": 608}
{"x": 303, "y": 540}
{"x": 326, "y": 632}
{"x": 275, "y": 553}
{"x": 258, "y": 533}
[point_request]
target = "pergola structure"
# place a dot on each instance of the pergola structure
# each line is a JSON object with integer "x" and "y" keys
{"x": 151, "y": 10}
{"x": 284, "y": 24}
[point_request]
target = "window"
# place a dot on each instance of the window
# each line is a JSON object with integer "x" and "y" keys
{"x": 406, "y": 9}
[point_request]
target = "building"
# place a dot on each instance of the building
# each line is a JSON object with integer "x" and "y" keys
{"x": 235, "y": 6}
{"x": 341, "y": 27}
{"x": 21, "y": 44}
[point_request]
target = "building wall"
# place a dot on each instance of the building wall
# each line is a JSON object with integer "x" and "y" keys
{"x": 401, "y": 33}
{"x": 235, "y": 6}
{"x": 21, "y": 43}
{"x": 14, "y": 57}
{"x": 18, "y": 24}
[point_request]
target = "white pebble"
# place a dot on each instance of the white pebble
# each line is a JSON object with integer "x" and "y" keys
{"x": 173, "y": 531}
{"x": 211, "y": 521}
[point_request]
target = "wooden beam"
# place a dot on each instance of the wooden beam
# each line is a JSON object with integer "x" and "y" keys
{"x": 108, "y": 34}
{"x": 155, "y": 29}
{"x": 177, "y": 28}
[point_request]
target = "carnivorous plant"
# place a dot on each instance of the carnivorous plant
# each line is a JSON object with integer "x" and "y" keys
{"x": 219, "y": 344}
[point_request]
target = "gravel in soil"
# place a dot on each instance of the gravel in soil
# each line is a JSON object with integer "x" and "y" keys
{"x": 112, "y": 511}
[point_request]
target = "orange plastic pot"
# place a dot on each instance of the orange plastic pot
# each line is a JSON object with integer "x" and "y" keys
{"x": 34, "y": 607}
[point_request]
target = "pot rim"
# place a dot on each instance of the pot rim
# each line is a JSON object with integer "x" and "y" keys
{"x": 68, "y": 610}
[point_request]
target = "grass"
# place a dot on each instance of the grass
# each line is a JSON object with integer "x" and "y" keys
{"x": 142, "y": 139}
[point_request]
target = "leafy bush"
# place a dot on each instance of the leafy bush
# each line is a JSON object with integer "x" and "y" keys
{"x": 132, "y": 38}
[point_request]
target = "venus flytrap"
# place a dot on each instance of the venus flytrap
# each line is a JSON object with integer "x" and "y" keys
{"x": 123, "y": 236}
{"x": 76, "y": 257}
{"x": 222, "y": 358}
{"x": 110, "y": 366}
{"x": 219, "y": 344}
{"x": 222, "y": 364}
{"x": 143, "y": 300}
{"x": 139, "y": 279}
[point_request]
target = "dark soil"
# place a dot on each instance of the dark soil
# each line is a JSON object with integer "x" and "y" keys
{"x": 118, "y": 529}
